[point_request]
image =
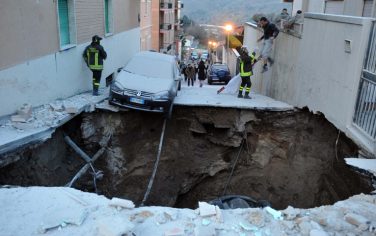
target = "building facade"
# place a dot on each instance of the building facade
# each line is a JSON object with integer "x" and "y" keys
{"x": 166, "y": 26}
{"x": 146, "y": 24}
{"x": 42, "y": 41}
{"x": 365, "y": 8}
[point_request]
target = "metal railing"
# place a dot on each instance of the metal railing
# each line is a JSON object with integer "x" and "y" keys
{"x": 365, "y": 111}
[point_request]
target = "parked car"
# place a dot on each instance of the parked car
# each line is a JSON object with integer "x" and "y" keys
{"x": 219, "y": 73}
{"x": 149, "y": 82}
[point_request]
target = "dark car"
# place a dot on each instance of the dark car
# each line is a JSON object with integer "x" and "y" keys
{"x": 149, "y": 82}
{"x": 219, "y": 73}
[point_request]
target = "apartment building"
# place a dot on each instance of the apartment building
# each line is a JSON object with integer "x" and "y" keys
{"x": 42, "y": 41}
{"x": 365, "y": 8}
{"x": 166, "y": 26}
{"x": 146, "y": 24}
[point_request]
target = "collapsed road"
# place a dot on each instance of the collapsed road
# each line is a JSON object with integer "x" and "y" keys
{"x": 289, "y": 157}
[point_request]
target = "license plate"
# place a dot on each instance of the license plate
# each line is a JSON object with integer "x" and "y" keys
{"x": 137, "y": 100}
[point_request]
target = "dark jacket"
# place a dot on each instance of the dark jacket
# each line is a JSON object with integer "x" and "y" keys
{"x": 94, "y": 54}
{"x": 248, "y": 62}
{"x": 270, "y": 30}
{"x": 201, "y": 71}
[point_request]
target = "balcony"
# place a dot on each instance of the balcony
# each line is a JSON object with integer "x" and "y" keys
{"x": 165, "y": 27}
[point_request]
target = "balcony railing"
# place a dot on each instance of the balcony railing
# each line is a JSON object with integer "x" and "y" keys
{"x": 165, "y": 6}
{"x": 165, "y": 27}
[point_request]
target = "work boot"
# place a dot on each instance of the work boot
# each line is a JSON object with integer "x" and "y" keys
{"x": 247, "y": 96}
{"x": 271, "y": 61}
{"x": 95, "y": 92}
{"x": 240, "y": 95}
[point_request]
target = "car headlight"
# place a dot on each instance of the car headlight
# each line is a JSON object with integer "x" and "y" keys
{"x": 117, "y": 88}
{"x": 164, "y": 95}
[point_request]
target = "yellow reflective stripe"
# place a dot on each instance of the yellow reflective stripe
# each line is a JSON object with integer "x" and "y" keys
{"x": 96, "y": 83}
{"x": 248, "y": 89}
{"x": 96, "y": 59}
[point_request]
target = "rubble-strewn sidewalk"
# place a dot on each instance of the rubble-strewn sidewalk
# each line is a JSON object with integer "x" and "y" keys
{"x": 36, "y": 125}
{"x": 65, "y": 211}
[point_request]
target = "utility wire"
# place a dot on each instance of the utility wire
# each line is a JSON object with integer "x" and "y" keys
{"x": 233, "y": 168}
{"x": 151, "y": 181}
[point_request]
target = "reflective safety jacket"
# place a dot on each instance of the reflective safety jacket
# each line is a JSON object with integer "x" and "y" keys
{"x": 94, "y": 55}
{"x": 246, "y": 64}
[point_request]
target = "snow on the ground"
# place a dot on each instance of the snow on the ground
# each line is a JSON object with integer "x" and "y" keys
{"x": 207, "y": 96}
{"x": 365, "y": 164}
{"x": 64, "y": 211}
{"x": 44, "y": 120}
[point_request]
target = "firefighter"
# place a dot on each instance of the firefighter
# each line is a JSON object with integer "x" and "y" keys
{"x": 94, "y": 55}
{"x": 246, "y": 64}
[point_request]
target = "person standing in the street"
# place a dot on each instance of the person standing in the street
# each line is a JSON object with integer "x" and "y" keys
{"x": 246, "y": 71}
{"x": 94, "y": 55}
{"x": 270, "y": 33}
{"x": 201, "y": 72}
{"x": 191, "y": 74}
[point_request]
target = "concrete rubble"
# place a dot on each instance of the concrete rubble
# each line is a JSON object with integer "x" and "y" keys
{"x": 65, "y": 211}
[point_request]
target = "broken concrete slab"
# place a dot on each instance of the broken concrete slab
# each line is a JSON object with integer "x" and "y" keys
{"x": 114, "y": 226}
{"x": 19, "y": 118}
{"x": 206, "y": 209}
{"x": 70, "y": 109}
{"x": 356, "y": 219}
{"x": 57, "y": 107}
{"x": 177, "y": 231}
{"x": 122, "y": 203}
{"x": 106, "y": 106}
{"x": 25, "y": 111}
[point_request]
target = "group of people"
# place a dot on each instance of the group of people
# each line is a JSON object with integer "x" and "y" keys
{"x": 94, "y": 55}
{"x": 191, "y": 72}
{"x": 248, "y": 61}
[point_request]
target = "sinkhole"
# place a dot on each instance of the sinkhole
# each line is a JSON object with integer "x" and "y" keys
{"x": 286, "y": 158}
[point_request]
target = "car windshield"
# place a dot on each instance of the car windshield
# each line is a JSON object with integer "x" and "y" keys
{"x": 220, "y": 67}
{"x": 150, "y": 67}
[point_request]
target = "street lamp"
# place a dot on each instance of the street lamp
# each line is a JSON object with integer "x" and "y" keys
{"x": 228, "y": 29}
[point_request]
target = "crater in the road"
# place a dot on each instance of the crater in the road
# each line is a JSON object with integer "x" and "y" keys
{"x": 288, "y": 158}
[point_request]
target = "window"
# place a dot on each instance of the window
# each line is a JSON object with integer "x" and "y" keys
{"x": 108, "y": 22}
{"x": 66, "y": 18}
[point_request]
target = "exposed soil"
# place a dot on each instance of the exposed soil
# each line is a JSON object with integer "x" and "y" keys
{"x": 288, "y": 157}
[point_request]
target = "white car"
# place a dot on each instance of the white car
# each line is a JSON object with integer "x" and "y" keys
{"x": 149, "y": 82}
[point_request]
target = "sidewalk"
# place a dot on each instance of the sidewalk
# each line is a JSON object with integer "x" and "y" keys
{"x": 207, "y": 97}
{"x": 43, "y": 123}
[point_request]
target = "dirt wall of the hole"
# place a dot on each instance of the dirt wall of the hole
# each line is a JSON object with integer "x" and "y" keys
{"x": 289, "y": 157}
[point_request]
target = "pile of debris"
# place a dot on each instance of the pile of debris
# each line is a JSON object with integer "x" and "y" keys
{"x": 65, "y": 211}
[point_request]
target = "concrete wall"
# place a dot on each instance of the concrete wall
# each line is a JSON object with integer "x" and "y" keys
{"x": 126, "y": 14}
{"x": 315, "y": 71}
{"x": 28, "y": 30}
{"x": 61, "y": 74}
